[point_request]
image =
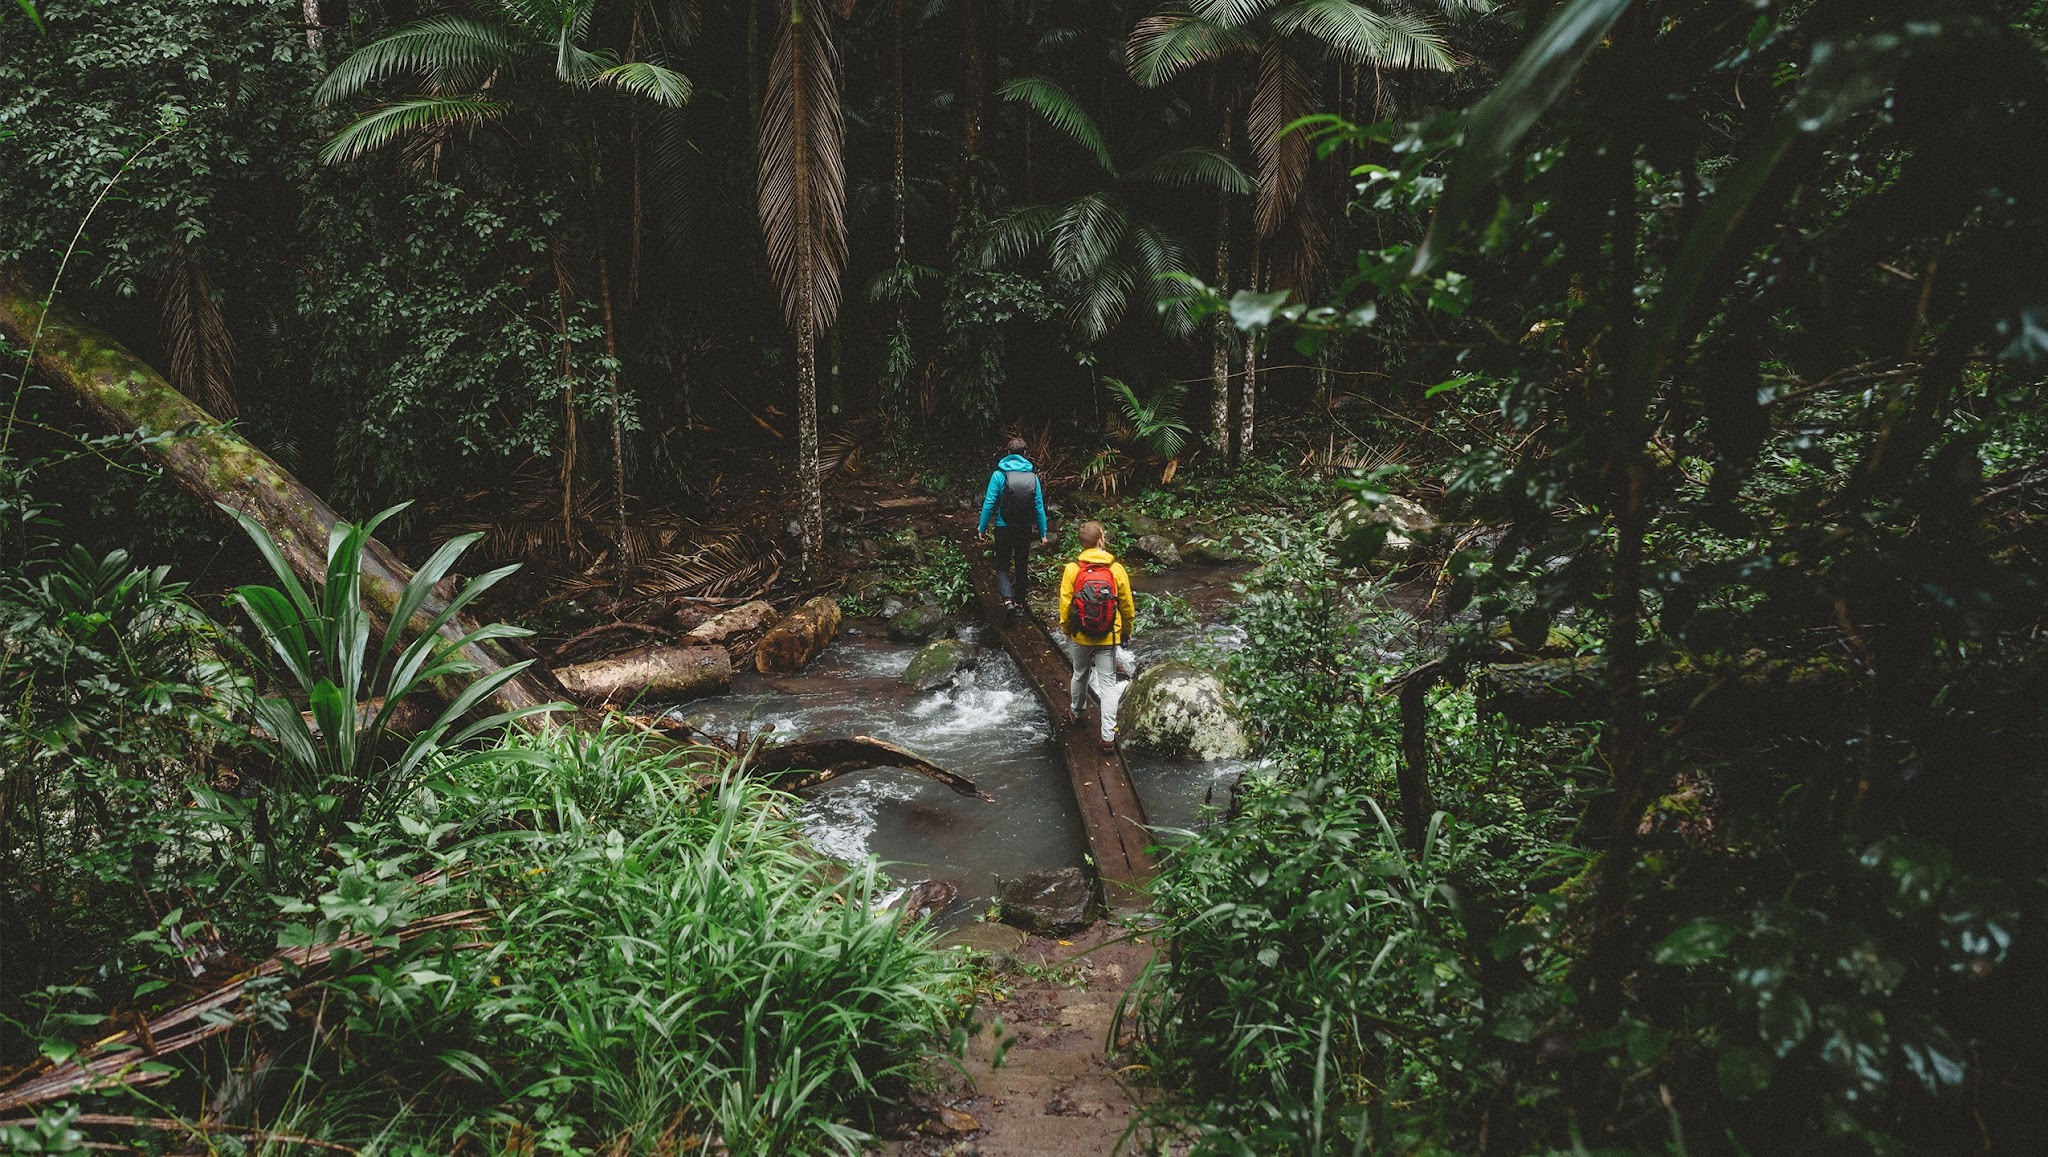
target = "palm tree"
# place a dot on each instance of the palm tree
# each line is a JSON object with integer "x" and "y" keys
{"x": 1102, "y": 255}
{"x": 800, "y": 190}
{"x": 1385, "y": 34}
{"x": 507, "y": 59}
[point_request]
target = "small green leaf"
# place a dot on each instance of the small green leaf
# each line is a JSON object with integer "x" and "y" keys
{"x": 1250, "y": 310}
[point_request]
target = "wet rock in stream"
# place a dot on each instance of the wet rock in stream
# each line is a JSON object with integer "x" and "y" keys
{"x": 1049, "y": 902}
{"x": 917, "y": 624}
{"x": 1177, "y": 711}
{"x": 1158, "y": 548}
{"x": 938, "y": 663}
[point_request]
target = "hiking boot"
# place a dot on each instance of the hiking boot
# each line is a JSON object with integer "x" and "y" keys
{"x": 1108, "y": 746}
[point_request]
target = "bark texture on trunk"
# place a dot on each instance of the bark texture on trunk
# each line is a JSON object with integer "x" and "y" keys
{"x": 216, "y": 464}
{"x": 740, "y": 620}
{"x": 796, "y": 640}
{"x": 655, "y": 672}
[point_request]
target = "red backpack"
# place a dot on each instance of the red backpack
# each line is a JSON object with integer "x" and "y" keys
{"x": 1094, "y": 599}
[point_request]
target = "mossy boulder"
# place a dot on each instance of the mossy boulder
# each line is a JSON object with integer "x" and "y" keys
{"x": 918, "y": 624}
{"x": 1177, "y": 711}
{"x": 938, "y": 663}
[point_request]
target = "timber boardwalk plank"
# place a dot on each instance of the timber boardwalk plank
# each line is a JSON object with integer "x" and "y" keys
{"x": 1110, "y": 811}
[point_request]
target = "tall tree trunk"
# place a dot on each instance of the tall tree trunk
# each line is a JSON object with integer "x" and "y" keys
{"x": 899, "y": 176}
{"x": 622, "y": 560}
{"x": 216, "y": 464}
{"x": 1248, "y": 397}
{"x": 569, "y": 431}
{"x": 801, "y": 196}
{"x": 1219, "y": 364}
{"x": 311, "y": 9}
{"x": 974, "y": 106}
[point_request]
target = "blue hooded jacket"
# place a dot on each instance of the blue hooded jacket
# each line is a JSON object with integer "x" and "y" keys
{"x": 995, "y": 491}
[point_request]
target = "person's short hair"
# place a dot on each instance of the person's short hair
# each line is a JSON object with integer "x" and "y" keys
{"x": 1016, "y": 446}
{"x": 1091, "y": 534}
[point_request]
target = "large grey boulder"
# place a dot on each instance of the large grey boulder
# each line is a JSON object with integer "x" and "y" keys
{"x": 938, "y": 663}
{"x": 1177, "y": 711}
{"x": 1406, "y": 520}
{"x": 917, "y": 624}
{"x": 1158, "y": 548}
{"x": 1047, "y": 903}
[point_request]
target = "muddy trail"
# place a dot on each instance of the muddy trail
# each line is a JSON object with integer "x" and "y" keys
{"x": 1042, "y": 1075}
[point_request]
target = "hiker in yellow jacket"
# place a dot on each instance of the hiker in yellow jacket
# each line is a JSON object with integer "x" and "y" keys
{"x": 1096, "y": 610}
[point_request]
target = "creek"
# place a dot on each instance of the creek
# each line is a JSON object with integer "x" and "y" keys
{"x": 987, "y": 725}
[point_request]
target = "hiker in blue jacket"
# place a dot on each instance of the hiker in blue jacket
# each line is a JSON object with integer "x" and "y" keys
{"x": 1015, "y": 502}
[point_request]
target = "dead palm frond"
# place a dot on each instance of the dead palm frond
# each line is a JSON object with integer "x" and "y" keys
{"x": 724, "y": 562}
{"x": 731, "y": 562}
{"x": 839, "y": 451}
{"x": 195, "y": 335}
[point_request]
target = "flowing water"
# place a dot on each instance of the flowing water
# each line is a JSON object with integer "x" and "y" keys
{"x": 988, "y": 725}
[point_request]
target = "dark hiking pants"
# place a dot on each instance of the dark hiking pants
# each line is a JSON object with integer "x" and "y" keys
{"x": 1013, "y": 559}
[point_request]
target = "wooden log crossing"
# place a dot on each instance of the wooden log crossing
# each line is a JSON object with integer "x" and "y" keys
{"x": 1110, "y": 811}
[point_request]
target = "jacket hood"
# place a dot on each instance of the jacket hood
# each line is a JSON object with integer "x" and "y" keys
{"x": 1097, "y": 554}
{"x": 1015, "y": 462}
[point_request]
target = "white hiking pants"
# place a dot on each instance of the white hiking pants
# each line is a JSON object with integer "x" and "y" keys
{"x": 1096, "y": 664}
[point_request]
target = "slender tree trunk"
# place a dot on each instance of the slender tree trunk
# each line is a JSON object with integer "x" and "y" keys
{"x": 1248, "y": 399}
{"x": 1626, "y": 740}
{"x": 899, "y": 176}
{"x": 311, "y": 9}
{"x": 1219, "y": 364}
{"x": 622, "y": 560}
{"x": 974, "y": 107}
{"x": 569, "y": 431}
{"x": 812, "y": 538}
{"x": 218, "y": 465}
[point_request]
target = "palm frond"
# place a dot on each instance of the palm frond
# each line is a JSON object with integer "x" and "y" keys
{"x": 577, "y": 65}
{"x": 1089, "y": 229}
{"x": 195, "y": 335}
{"x": 1232, "y": 13}
{"x": 386, "y": 123}
{"x": 1100, "y": 299}
{"x": 663, "y": 86}
{"x": 1158, "y": 257}
{"x": 800, "y": 188}
{"x": 1164, "y": 45}
{"x": 1281, "y": 98}
{"x": 1362, "y": 36}
{"x": 1045, "y": 96}
{"x": 1018, "y": 232}
{"x": 1196, "y": 168}
{"x": 439, "y": 45}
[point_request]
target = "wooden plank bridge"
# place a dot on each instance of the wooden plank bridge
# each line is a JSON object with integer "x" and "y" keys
{"x": 1110, "y": 811}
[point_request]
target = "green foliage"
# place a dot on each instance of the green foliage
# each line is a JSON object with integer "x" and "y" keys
{"x": 111, "y": 702}
{"x": 1308, "y": 968}
{"x": 347, "y": 764}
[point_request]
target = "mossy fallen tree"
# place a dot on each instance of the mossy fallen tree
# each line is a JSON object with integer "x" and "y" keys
{"x": 216, "y": 464}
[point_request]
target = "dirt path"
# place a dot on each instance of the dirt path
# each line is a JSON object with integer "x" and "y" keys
{"x": 1057, "y": 1092}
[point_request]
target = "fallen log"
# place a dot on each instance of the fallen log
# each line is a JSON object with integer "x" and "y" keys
{"x": 740, "y": 620}
{"x": 220, "y": 466}
{"x": 657, "y": 672}
{"x": 808, "y": 762}
{"x": 117, "y": 1059}
{"x": 796, "y": 640}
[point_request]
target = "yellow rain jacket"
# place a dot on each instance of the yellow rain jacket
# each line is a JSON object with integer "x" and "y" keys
{"x": 1126, "y": 609}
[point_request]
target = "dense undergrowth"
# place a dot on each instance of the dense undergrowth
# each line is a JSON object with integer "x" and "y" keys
{"x": 557, "y": 942}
